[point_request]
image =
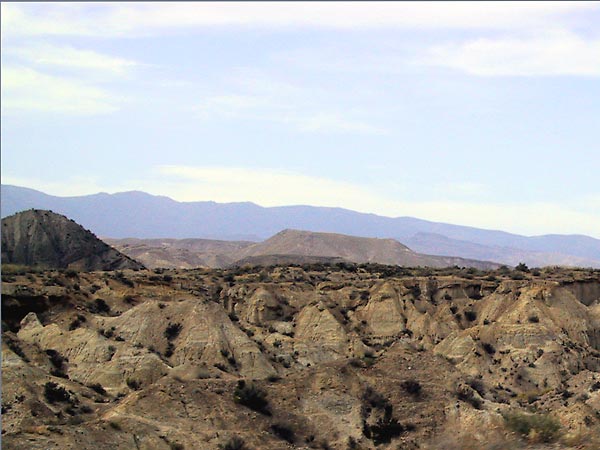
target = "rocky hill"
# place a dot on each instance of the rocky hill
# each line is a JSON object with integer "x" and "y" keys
{"x": 353, "y": 249}
{"x": 286, "y": 247}
{"x": 180, "y": 253}
{"x": 45, "y": 239}
{"x": 320, "y": 356}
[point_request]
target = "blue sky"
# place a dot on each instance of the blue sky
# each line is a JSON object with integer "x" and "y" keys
{"x": 483, "y": 114}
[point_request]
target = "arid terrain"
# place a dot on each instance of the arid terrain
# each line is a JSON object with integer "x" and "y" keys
{"x": 339, "y": 356}
{"x": 285, "y": 247}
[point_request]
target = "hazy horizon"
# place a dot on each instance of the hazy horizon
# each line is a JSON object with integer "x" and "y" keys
{"x": 473, "y": 113}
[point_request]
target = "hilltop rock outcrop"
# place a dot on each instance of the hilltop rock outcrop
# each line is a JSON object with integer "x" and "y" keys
{"x": 49, "y": 240}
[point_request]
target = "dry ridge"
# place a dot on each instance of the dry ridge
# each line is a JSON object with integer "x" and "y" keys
{"x": 286, "y": 247}
{"x": 46, "y": 239}
{"x": 339, "y": 356}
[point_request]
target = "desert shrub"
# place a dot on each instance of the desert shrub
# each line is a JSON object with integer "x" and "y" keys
{"x": 533, "y": 319}
{"x": 235, "y": 443}
{"x": 489, "y": 348}
{"x": 467, "y": 395}
{"x": 123, "y": 279}
{"x": 412, "y": 387}
{"x": 477, "y": 385}
{"x": 522, "y": 267}
{"x": 97, "y": 387}
{"x": 384, "y": 430}
{"x": 470, "y": 315}
{"x": 170, "y": 350}
{"x": 373, "y": 399}
{"x": 55, "y": 393}
{"x": 58, "y": 361}
{"x": 540, "y": 427}
{"x": 415, "y": 290}
{"x": 173, "y": 330}
{"x": 115, "y": 426}
{"x": 14, "y": 346}
{"x": 284, "y": 432}
{"x": 134, "y": 384}
{"x": 251, "y": 396}
{"x": 77, "y": 321}
{"x": 99, "y": 306}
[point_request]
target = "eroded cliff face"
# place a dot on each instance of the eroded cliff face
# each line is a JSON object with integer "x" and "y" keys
{"x": 348, "y": 357}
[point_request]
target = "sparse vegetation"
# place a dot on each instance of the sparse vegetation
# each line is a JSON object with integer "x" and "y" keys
{"x": 251, "y": 396}
{"x": 134, "y": 384}
{"x": 55, "y": 393}
{"x": 173, "y": 330}
{"x": 235, "y": 443}
{"x": 284, "y": 431}
{"x": 536, "y": 427}
{"x": 406, "y": 371}
{"x": 97, "y": 387}
{"x": 412, "y": 387}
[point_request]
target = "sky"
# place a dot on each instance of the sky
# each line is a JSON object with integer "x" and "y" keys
{"x": 474, "y": 113}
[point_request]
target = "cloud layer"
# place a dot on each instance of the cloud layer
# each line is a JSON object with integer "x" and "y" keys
{"x": 118, "y": 19}
{"x": 558, "y": 53}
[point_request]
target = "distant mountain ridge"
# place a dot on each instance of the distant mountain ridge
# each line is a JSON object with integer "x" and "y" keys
{"x": 143, "y": 215}
{"x": 46, "y": 239}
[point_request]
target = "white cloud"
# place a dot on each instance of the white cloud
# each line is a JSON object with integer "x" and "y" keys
{"x": 256, "y": 95}
{"x": 25, "y": 89}
{"x": 293, "y": 113}
{"x": 44, "y": 54}
{"x": 556, "y": 53}
{"x": 119, "y": 19}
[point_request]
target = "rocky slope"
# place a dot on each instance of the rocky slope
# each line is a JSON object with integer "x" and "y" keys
{"x": 180, "y": 253}
{"x": 322, "y": 356}
{"x": 46, "y": 239}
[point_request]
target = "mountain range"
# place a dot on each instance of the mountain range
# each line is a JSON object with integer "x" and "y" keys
{"x": 141, "y": 215}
